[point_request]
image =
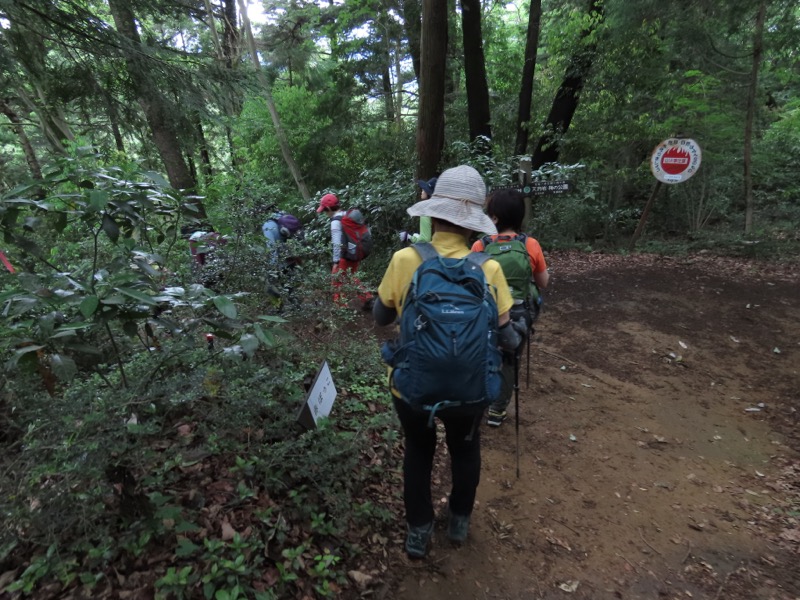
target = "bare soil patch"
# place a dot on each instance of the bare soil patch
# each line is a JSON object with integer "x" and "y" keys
{"x": 658, "y": 444}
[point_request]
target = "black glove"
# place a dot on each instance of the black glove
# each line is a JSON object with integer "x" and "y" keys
{"x": 520, "y": 325}
{"x": 508, "y": 338}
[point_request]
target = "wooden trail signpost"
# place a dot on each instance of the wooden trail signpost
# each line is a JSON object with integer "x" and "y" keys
{"x": 534, "y": 188}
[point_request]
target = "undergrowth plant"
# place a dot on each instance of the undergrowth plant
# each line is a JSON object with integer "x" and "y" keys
{"x": 173, "y": 430}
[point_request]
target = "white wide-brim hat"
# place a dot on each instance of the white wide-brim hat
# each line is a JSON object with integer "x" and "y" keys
{"x": 458, "y": 198}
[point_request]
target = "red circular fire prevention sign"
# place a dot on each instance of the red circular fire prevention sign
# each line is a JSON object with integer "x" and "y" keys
{"x": 675, "y": 160}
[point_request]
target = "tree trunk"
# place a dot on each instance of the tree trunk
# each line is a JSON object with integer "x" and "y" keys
{"x": 758, "y": 50}
{"x": 153, "y": 104}
{"x": 283, "y": 141}
{"x": 412, "y": 18}
{"x": 202, "y": 144}
{"x": 388, "y": 92}
{"x": 24, "y": 141}
{"x": 478, "y": 112}
{"x": 433, "y": 60}
{"x": 565, "y": 102}
{"x": 398, "y": 103}
{"x": 528, "y": 70}
{"x": 53, "y": 129}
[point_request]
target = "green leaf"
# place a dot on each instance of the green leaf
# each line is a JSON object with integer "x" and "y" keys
{"x": 137, "y": 295}
{"x": 264, "y": 336}
{"x": 83, "y": 348}
{"x": 98, "y": 199}
{"x": 225, "y": 306}
{"x": 272, "y": 319}
{"x": 89, "y": 306}
{"x": 110, "y": 227}
{"x": 114, "y": 299}
{"x": 130, "y": 328}
{"x": 22, "y": 353}
{"x": 186, "y": 548}
{"x": 63, "y": 366}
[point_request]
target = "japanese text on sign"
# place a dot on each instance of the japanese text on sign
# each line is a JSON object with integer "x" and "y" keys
{"x": 322, "y": 394}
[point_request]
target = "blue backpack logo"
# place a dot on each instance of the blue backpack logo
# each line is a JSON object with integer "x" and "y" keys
{"x": 447, "y": 357}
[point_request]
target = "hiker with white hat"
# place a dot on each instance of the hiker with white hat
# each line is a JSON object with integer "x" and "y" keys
{"x": 456, "y": 211}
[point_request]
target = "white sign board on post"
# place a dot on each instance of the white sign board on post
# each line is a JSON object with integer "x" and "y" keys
{"x": 675, "y": 160}
{"x": 319, "y": 399}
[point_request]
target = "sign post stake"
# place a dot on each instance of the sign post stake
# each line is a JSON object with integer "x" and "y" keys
{"x": 645, "y": 214}
{"x": 525, "y": 173}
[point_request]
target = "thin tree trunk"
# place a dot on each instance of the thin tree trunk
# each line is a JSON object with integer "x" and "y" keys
{"x": 205, "y": 155}
{"x": 758, "y": 50}
{"x": 283, "y": 141}
{"x": 528, "y": 71}
{"x": 565, "y": 102}
{"x": 433, "y": 61}
{"x": 388, "y": 93}
{"x": 52, "y": 131}
{"x": 398, "y": 103}
{"x": 24, "y": 141}
{"x": 478, "y": 111}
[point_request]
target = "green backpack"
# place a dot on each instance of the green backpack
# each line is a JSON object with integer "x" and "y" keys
{"x": 511, "y": 253}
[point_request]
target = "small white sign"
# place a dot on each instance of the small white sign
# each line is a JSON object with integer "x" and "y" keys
{"x": 319, "y": 399}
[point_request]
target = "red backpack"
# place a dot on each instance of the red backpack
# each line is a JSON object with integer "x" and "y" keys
{"x": 356, "y": 236}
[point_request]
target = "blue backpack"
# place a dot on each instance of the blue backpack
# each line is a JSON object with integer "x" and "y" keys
{"x": 446, "y": 358}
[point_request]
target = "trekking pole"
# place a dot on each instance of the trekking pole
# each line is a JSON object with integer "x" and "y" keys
{"x": 516, "y": 401}
{"x": 528, "y": 360}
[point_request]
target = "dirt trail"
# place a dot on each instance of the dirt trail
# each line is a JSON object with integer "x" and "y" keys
{"x": 657, "y": 452}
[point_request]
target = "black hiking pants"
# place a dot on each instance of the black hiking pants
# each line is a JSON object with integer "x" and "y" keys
{"x": 462, "y": 435}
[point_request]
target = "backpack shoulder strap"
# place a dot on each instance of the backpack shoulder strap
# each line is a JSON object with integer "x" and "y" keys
{"x": 477, "y": 258}
{"x": 425, "y": 250}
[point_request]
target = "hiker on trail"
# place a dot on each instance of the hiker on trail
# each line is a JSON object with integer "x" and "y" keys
{"x": 426, "y": 191}
{"x": 526, "y": 272}
{"x": 456, "y": 210}
{"x": 347, "y": 252}
{"x": 279, "y": 229}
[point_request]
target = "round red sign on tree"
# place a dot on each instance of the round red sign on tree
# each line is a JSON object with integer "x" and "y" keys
{"x": 675, "y": 160}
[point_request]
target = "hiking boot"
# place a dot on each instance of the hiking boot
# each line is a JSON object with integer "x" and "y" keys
{"x": 457, "y": 528}
{"x": 418, "y": 539}
{"x": 496, "y": 417}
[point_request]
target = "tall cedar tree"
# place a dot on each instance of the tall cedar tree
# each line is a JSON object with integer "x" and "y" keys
{"x": 528, "y": 70}
{"x": 565, "y": 102}
{"x": 412, "y": 11}
{"x": 478, "y": 111}
{"x": 152, "y": 102}
{"x": 433, "y": 59}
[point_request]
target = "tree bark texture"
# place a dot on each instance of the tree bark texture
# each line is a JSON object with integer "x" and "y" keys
{"x": 478, "y": 112}
{"x": 412, "y": 18}
{"x": 752, "y": 90}
{"x": 433, "y": 60}
{"x": 566, "y": 99}
{"x": 153, "y": 104}
{"x": 528, "y": 70}
{"x": 24, "y": 141}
